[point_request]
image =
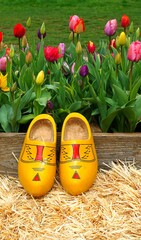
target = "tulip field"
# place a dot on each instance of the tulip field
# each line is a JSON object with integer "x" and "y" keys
{"x": 56, "y": 15}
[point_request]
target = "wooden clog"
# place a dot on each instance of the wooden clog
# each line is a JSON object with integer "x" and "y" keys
{"x": 78, "y": 159}
{"x": 37, "y": 161}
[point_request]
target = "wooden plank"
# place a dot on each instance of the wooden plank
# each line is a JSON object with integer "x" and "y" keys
{"x": 109, "y": 146}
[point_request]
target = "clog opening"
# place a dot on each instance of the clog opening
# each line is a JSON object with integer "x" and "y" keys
{"x": 42, "y": 130}
{"x": 75, "y": 129}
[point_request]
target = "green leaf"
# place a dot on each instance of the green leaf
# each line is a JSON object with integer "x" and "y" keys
{"x": 120, "y": 95}
{"x": 26, "y": 118}
{"x": 135, "y": 89}
{"x": 26, "y": 98}
{"x": 74, "y": 107}
{"x": 138, "y": 107}
{"x": 106, "y": 122}
{"x": 40, "y": 59}
{"x": 4, "y": 112}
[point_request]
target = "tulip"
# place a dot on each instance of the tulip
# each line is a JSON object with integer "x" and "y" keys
{"x": 131, "y": 28}
{"x": 28, "y": 57}
{"x": 28, "y": 22}
{"x": 138, "y": 33}
{"x": 3, "y": 63}
{"x": 19, "y": 30}
{"x": 72, "y": 67}
{"x": 110, "y": 27}
{"x": 72, "y": 22}
{"x": 78, "y": 48}
{"x": 62, "y": 48}
{"x": 112, "y": 43}
{"x": 134, "y": 51}
{"x": 118, "y": 59}
{"x": 91, "y": 47}
{"x": 11, "y": 52}
{"x": 43, "y": 29}
{"x": 3, "y": 83}
{"x": 83, "y": 71}
{"x": 125, "y": 21}
{"x": 40, "y": 36}
{"x": 40, "y": 78}
{"x": 24, "y": 41}
{"x": 52, "y": 53}
{"x": 50, "y": 105}
{"x": 122, "y": 39}
{"x": 79, "y": 27}
{"x": 1, "y": 36}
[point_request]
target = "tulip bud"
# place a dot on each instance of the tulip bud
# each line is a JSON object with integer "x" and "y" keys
{"x": 137, "y": 33}
{"x": 1, "y": 45}
{"x": 28, "y": 22}
{"x": 40, "y": 78}
{"x": 50, "y": 105}
{"x": 118, "y": 58}
{"x": 83, "y": 71}
{"x": 11, "y": 52}
{"x": 117, "y": 41}
{"x": 24, "y": 41}
{"x": 131, "y": 28}
{"x": 122, "y": 39}
{"x": 91, "y": 47}
{"x": 43, "y": 29}
{"x": 28, "y": 57}
{"x": 78, "y": 48}
{"x": 3, "y": 63}
{"x": 128, "y": 41}
{"x": 14, "y": 86}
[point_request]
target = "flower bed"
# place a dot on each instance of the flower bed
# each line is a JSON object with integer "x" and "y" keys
{"x": 101, "y": 82}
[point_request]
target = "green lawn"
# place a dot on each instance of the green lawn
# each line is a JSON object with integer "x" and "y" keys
{"x": 56, "y": 14}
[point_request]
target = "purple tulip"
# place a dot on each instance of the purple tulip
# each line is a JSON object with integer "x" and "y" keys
{"x": 83, "y": 71}
{"x": 50, "y": 105}
{"x": 41, "y": 35}
{"x": 110, "y": 27}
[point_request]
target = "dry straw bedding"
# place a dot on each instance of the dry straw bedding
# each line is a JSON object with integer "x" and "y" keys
{"x": 111, "y": 209}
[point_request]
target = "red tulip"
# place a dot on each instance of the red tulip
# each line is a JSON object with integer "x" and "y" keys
{"x": 91, "y": 47}
{"x": 19, "y": 30}
{"x": 112, "y": 43}
{"x": 110, "y": 27}
{"x": 52, "y": 53}
{"x": 79, "y": 26}
{"x": 134, "y": 51}
{"x": 125, "y": 21}
{"x": 1, "y": 36}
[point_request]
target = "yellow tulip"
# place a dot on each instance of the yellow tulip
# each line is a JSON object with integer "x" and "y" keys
{"x": 3, "y": 83}
{"x": 118, "y": 58}
{"x": 78, "y": 48}
{"x": 122, "y": 39}
{"x": 40, "y": 78}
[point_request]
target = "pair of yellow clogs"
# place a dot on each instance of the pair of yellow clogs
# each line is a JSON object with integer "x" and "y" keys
{"x": 78, "y": 160}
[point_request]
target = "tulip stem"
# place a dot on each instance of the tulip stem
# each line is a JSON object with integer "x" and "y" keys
{"x": 130, "y": 77}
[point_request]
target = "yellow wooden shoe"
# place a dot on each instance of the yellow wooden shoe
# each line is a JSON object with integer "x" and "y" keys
{"x": 78, "y": 159}
{"x": 37, "y": 161}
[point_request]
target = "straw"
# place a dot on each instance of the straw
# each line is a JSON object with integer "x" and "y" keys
{"x": 111, "y": 209}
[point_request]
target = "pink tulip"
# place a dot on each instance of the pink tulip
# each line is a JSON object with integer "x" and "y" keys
{"x": 110, "y": 27}
{"x": 134, "y": 51}
{"x": 62, "y": 48}
{"x": 3, "y": 63}
{"x": 73, "y": 21}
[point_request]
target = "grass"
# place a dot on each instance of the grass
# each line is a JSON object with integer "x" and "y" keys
{"x": 56, "y": 14}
